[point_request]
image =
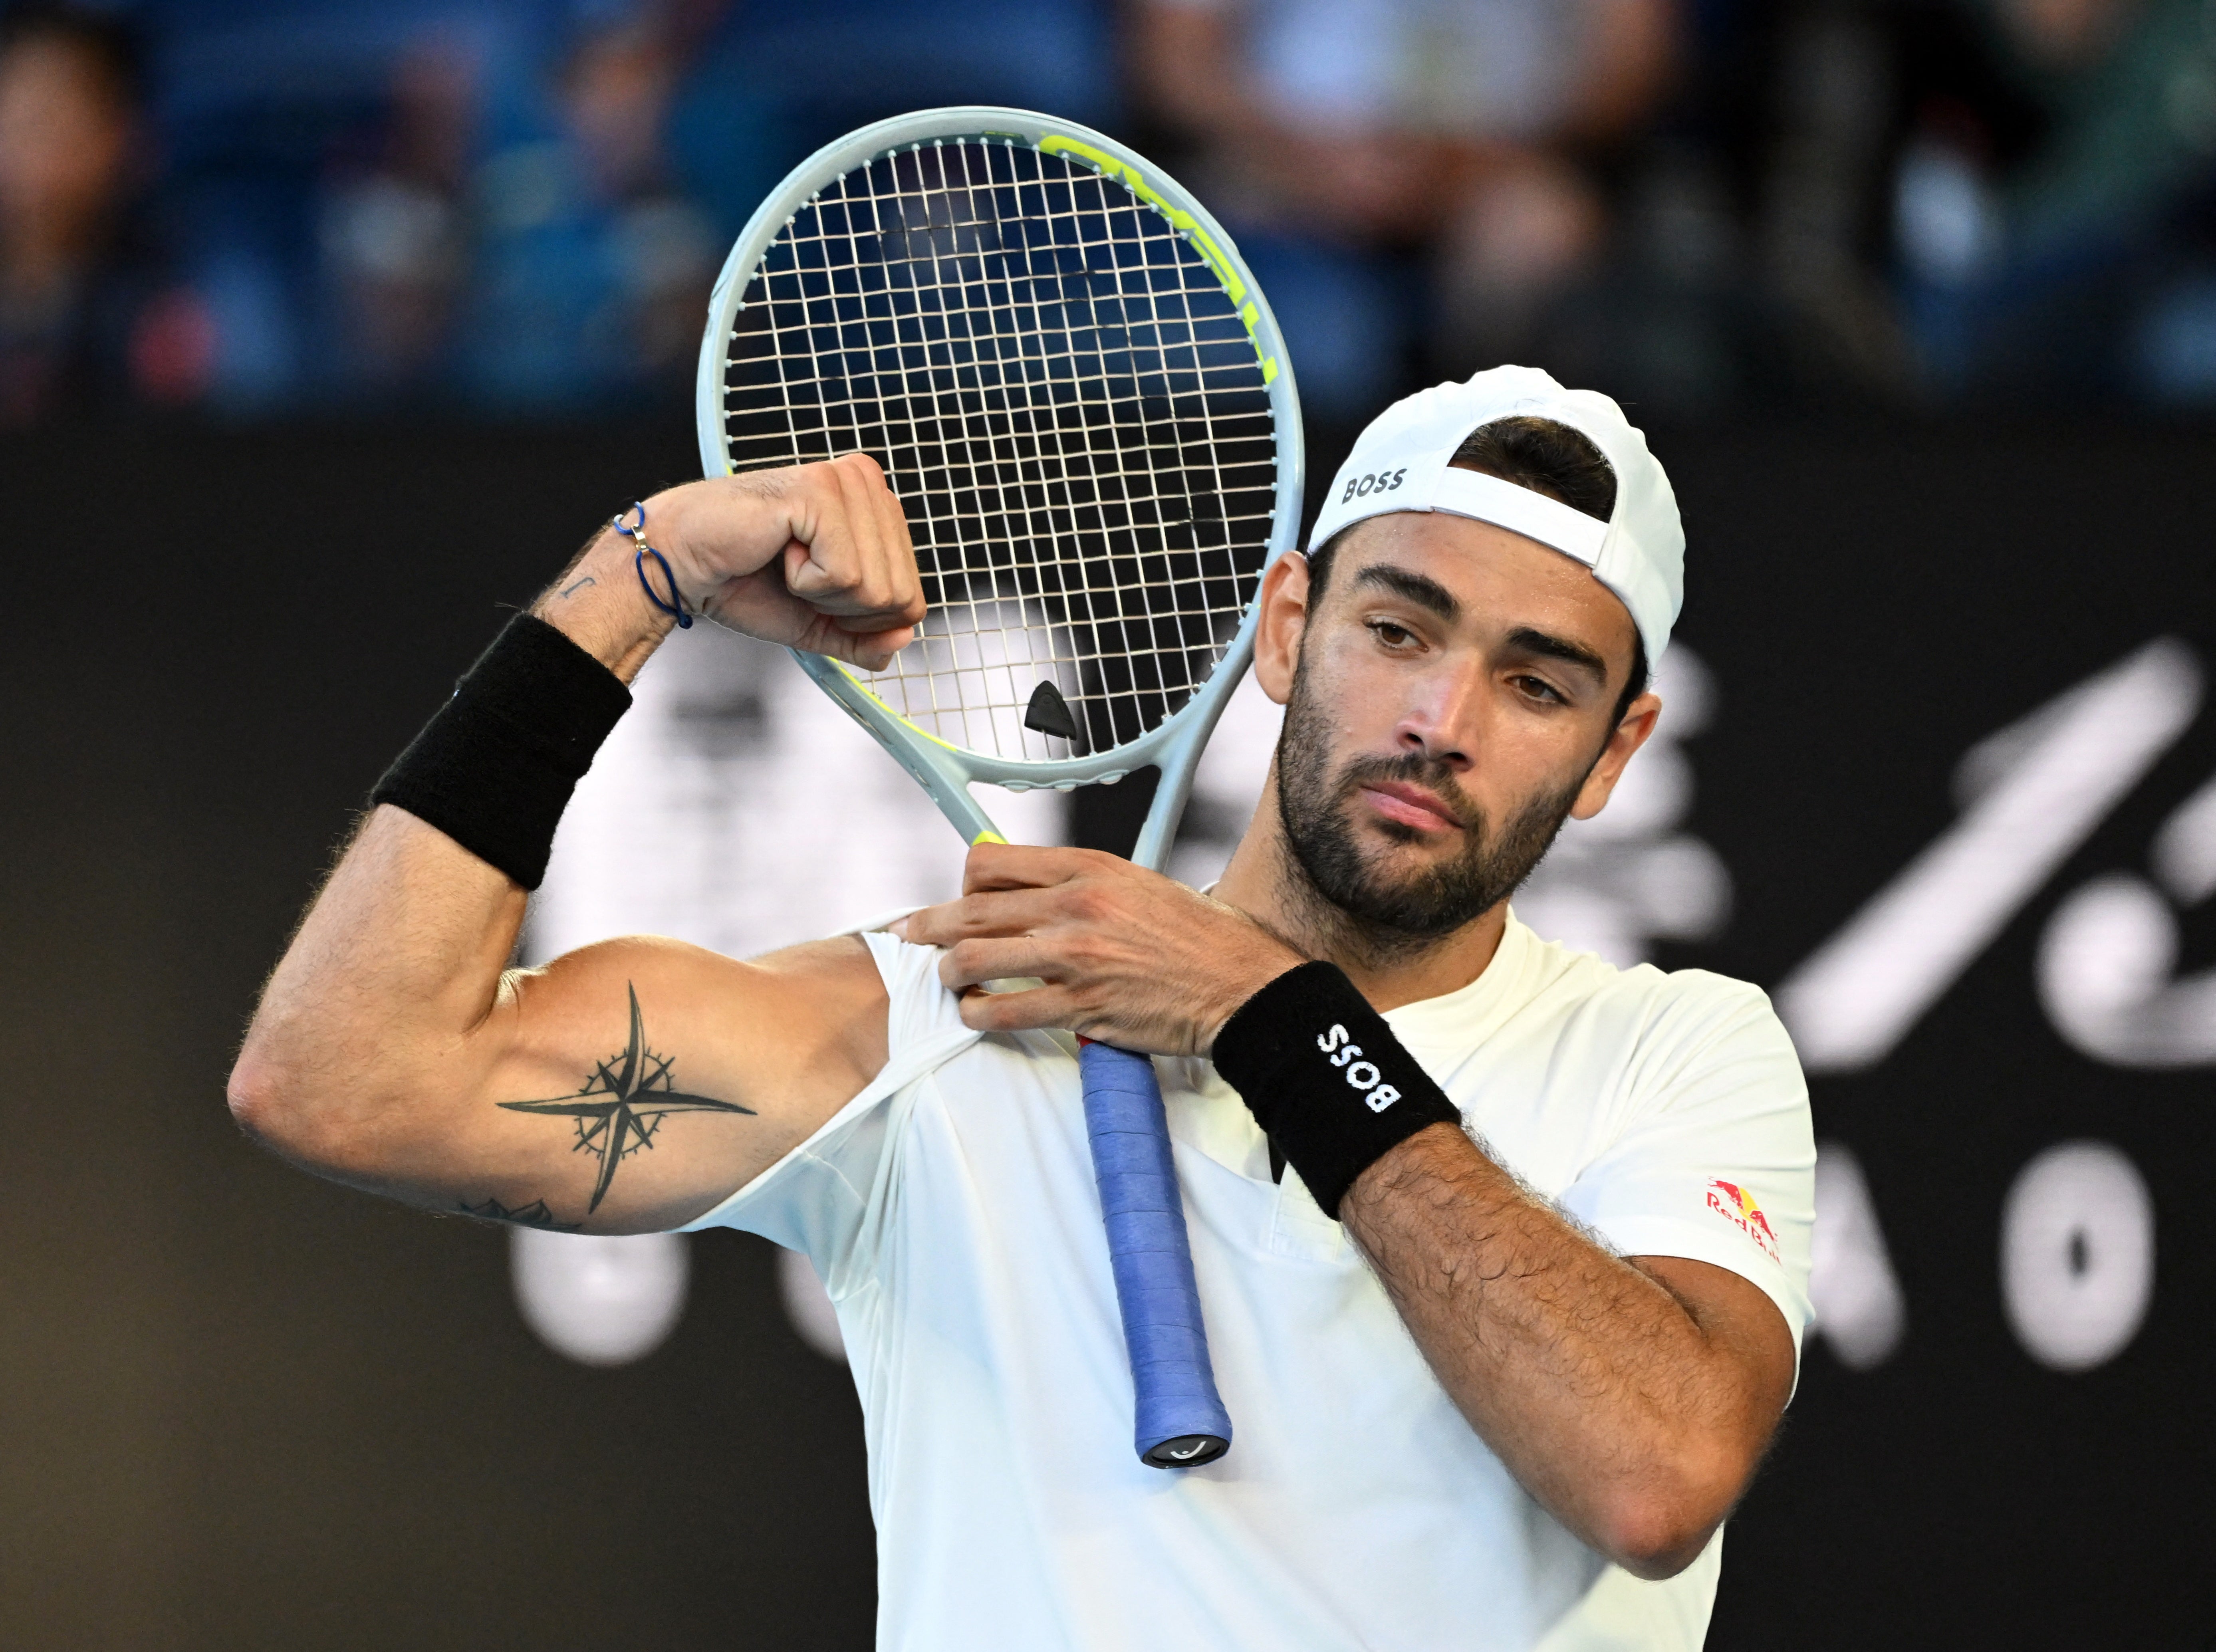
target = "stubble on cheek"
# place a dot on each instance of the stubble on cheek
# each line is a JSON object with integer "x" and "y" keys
{"x": 1325, "y": 821}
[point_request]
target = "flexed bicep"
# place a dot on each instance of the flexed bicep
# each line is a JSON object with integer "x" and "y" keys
{"x": 641, "y": 1082}
{"x": 627, "y": 1087}
{"x": 618, "y": 1110}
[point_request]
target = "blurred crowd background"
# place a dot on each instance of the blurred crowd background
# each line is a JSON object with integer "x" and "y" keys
{"x": 1708, "y": 207}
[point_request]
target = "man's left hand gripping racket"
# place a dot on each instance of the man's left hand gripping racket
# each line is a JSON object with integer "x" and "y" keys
{"x": 1082, "y": 402}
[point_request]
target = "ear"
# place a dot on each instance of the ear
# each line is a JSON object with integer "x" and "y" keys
{"x": 1639, "y": 720}
{"x": 1283, "y": 622}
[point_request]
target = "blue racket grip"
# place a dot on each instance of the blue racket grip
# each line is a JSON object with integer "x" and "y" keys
{"x": 1181, "y": 1422}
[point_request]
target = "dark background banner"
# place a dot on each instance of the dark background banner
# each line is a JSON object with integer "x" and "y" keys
{"x": 249, "y": 1409}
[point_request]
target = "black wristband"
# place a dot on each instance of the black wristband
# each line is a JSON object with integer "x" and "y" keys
{"x": 1326, "y": 1079}
{"x": 495, "y": 768}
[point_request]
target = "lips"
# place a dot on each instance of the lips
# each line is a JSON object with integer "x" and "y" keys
{"x": 1410, "y": 806}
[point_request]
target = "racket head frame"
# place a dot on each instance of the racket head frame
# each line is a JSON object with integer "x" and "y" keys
{"x": 945, "y": 771}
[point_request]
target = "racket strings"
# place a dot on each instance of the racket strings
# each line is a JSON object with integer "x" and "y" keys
{"x": 1068, "y": 406}
{"x": 994, "y": 619}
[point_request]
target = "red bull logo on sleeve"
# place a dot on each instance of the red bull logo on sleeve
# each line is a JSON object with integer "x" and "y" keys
{"x": 1736, "y": 1206}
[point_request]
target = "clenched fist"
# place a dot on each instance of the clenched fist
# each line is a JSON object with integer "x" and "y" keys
{"x": 817, "y": 557}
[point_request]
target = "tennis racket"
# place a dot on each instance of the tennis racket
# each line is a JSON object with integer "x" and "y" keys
{"x": 1082, "y": 402}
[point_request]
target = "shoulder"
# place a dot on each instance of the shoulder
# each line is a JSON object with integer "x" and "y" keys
{"x": 1565, "y": 978}
{"x": 885, "y": 990}
{"x": 811, "y": 1008}
{"x": 1688, "y": 1001}
{"x": 1663, "y": 1021}
{"x": 835, "y": 977}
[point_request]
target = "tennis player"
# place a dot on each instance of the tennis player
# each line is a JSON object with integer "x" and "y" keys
{"x": 1503, "y": 1251}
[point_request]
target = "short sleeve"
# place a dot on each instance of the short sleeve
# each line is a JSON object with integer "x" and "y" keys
{"x": 819, "y": 1198}
{"x": 1717, "y": 1160}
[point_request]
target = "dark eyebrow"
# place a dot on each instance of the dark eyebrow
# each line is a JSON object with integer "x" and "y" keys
{"x": 1560, "y": 648}
{"x": 1425, "y": 593}
{"x": 1428, "y": 593}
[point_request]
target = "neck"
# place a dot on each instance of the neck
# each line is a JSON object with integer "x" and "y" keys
{"x": 1267, "y": 882}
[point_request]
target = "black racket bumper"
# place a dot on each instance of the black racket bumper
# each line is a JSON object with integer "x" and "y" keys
{"x": 1186, "y": 1451}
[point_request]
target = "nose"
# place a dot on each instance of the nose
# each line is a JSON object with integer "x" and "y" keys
{"x": 1441, "y": 721}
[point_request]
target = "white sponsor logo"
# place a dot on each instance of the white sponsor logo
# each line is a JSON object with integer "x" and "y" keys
{"x": 1363, "y": 1075}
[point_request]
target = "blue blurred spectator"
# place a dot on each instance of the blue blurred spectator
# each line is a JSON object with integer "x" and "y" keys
{"x": 591, "y": 270}
{"x": 1336, "y": 134}
{"x": 392, "y": 237}
{"x": 831, "y": 65}
{"x": 518, "y": 205}
{"x": 522, "y": 202}
{"x": 317, "y": 150}
{"x": 601, "y": 229}
{"x": 85, "y": 318}
{"x": 2082, "y": 260}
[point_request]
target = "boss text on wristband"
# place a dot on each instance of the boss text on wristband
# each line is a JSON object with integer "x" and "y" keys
{"x": 1326, "y": 1079}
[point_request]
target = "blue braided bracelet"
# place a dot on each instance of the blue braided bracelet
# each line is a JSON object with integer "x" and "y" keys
{"x": 635, "y": 532}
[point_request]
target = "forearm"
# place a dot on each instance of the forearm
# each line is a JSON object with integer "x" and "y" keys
{"x": 1591, "y": 1380}
{"x": 393, "y": 1052}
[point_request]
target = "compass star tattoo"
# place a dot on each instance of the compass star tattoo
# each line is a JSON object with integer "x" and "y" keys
{"x": 623, "y": 1104}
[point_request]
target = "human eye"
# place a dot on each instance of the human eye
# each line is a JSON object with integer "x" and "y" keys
{"x": 1539, "y": 688}
{"x": 1391, "y": 634}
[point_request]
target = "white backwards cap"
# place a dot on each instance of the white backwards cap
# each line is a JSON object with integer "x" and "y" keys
{"x": 1401, "y": 463}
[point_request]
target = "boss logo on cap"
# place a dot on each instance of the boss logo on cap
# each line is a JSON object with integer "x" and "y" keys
{"x": 1379, "y": 482}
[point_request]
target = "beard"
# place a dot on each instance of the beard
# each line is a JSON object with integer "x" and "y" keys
{"x": 1389, "y": 913}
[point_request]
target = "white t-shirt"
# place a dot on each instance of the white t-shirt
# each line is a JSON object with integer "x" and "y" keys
{"x": 951, "y": 1211}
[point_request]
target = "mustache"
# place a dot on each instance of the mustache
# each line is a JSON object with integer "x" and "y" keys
{"x": 1414, "y": 769}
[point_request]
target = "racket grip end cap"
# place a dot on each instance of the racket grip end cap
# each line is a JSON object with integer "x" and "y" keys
{"x": 1185, "y": 1450}
{"x": 1181, "y": 1422}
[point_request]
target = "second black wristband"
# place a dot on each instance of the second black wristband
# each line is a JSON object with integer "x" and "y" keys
{"x": 1326, "y": 1079}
